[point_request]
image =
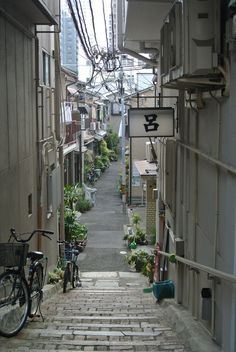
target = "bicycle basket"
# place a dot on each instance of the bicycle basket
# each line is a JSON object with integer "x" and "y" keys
{"x": 68, "y": 254}
{"x": 13, "y": 254}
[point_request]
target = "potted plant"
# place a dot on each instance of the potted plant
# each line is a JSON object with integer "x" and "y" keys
{"x": 140, "y": 235}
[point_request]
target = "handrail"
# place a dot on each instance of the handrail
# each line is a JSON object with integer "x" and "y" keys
{"x": 207, "y": 269}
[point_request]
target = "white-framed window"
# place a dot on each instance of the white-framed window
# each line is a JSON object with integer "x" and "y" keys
{"x": 46, "y": 69}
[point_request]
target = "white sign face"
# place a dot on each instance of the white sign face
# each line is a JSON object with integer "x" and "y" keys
{"x": 151, "y": 122}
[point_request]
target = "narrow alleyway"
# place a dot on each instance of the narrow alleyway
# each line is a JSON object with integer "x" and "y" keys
{"x": 110, "y": 312}
{"x": 105, "y": 226}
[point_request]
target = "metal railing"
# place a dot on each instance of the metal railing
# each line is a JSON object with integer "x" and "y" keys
{"x": 214, "y": 272}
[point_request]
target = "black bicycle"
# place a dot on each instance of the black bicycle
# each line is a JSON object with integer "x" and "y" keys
{"x": 20, "y": 295}
{"x": 69, "y": 263}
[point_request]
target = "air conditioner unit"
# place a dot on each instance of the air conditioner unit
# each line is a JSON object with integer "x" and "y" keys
{"x": 104, "y": 126}
{"x": 190, "y": 45}
{"x": 92, "y": 126}
{"x": 149, "y": 154}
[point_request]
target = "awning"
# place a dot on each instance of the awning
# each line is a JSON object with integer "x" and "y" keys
{"x": 145, "y": 168}
{"x": 101, "y": 133}
{"x": 82, "y": 110}
{"x": 73, "y": 90}
{"x": 88, "y": 138}
{"x": 98, "y": 138}
{"x": 38, "y": 11}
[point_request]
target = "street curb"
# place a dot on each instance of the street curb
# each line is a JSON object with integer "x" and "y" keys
{"x": 188, "y": 328}
{"x": 49, "y": 290}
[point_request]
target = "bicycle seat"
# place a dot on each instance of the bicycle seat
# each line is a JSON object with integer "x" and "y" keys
{"x": 34, "y": 255}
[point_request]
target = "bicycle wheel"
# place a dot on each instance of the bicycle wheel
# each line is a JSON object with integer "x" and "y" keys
{"x": 75, "y": 276}
{"x": 14, "y": 303}
{"x": 67, "y": 277}
{"x": 36, "y": 293}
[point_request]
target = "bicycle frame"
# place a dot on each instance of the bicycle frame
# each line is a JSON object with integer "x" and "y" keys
{"x": 21, "y": 290}
{"x": 71, "y": 268}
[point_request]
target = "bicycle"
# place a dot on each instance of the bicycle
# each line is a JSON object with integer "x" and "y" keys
{"x": 69, "y": 262}
{"x": 20, "y": 295}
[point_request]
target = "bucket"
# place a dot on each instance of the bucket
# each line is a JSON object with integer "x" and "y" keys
{"x": 163, "y": 289}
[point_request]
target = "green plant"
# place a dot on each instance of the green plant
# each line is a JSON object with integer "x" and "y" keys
{"x": 98, "y": 163}
{"x": 73, "y": 229}
{"x": 55, "y": 276}
{"x": 71, "y": 194}
{"x": 137, "y": 259}
{"x": 112, "y": 139}
{"x": 136, "y": 219}
{"x": 140, "y": 234}
{"x": 142, "y": 261}
{"x": 83, "y": 205}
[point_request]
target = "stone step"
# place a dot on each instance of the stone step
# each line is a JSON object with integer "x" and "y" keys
{"x": 120, "y": 318}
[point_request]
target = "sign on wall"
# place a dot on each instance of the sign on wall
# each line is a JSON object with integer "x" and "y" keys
{"x": 151, "y": 122}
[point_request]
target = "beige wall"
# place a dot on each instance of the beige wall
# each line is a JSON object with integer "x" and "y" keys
{"x": 23, "y": 158}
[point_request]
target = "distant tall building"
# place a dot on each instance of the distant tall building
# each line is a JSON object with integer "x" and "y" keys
{"x": 112, "y": 27}
{"x": 69, "y": 43}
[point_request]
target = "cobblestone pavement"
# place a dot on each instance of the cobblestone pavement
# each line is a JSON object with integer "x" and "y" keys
{"x": 109, "y": 312}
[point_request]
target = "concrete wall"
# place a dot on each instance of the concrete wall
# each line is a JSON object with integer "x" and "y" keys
{"x": 17, "y": 132}
{"x": 205, "y": 202}
{"x": 25, "y": 161}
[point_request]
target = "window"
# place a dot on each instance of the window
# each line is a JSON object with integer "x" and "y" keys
{"x": 46, "y": 69}
{"x": 30, "y": 206}
{"x": 49, "y": 192}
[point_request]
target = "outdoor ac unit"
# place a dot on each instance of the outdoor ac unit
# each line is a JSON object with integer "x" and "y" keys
{"x": 190, "y": 44}
{"x": 92, "y": 126}
{"x": 98, "y": 125}
{"x": 104, "y": 126}
{"x": 149, "y": 154}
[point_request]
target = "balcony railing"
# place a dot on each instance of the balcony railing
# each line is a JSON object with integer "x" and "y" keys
{"x": 72, "y": 130}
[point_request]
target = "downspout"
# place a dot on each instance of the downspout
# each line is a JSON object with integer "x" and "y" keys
{"x": 120, "y": 38}
{"x": 38, "y": 145}
{"x": 214, "y": 282}
{"x": 57, "y": 103}
{"x": 195, "y": 279}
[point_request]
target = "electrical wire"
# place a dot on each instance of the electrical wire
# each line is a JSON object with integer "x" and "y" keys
{"x": 105, "y": 23}
{"x": 112, "y": 29}
{"x": 85, "y": 37}
{"x": 77, "y": 28}
{"x": 85, "y": 26}
{"x": 93, "y": 23}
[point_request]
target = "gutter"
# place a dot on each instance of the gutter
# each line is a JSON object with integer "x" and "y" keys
{"x": 121, "y": 47}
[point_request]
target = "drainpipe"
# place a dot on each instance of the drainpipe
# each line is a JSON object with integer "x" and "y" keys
{"x": 195, "y": 280}
{"x": 120, "y": 38}
{"x": 57, "y": 103}
{"x": 39, "y": 161}
{"x": 214, "y": 282}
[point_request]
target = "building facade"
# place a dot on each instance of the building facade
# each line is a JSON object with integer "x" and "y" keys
{"x": 30, "y": 134}
{"x": 196, "y": 183}
{"x": 69, "y": 43}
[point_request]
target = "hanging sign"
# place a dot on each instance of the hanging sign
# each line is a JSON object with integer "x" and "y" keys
{"x": 151, "y": 122}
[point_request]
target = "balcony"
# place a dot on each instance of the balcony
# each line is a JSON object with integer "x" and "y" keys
{"x": 72, "y": 131}
{"x": 40, "y": 12}
{"x": 140, "y": 31}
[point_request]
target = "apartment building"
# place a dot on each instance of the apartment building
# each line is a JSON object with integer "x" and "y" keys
{"x": 30, "y": 123}
{"x": 196, "y": 180}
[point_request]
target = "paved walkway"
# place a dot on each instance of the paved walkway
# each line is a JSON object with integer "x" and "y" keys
{"x": 105, "y": 226}
{"x": 109, "y": 312}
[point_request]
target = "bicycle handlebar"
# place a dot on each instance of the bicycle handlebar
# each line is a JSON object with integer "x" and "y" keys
{"x": 39, "y": 231}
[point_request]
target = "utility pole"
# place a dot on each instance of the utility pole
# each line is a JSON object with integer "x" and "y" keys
{"x": 122, "y": 108}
